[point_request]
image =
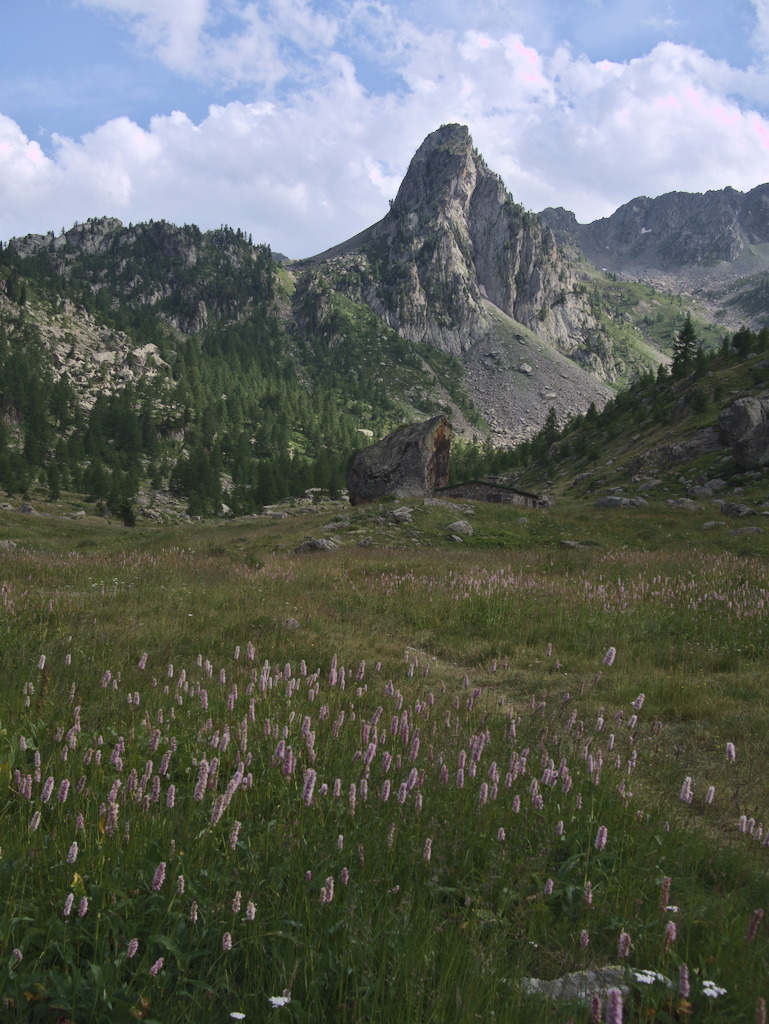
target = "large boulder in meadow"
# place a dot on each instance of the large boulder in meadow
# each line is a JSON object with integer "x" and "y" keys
{"x": 744, "y": 426}
{"x": 409, "y": 463}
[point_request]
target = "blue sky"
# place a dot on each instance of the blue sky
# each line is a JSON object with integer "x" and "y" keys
{"x": 296, "y": 119}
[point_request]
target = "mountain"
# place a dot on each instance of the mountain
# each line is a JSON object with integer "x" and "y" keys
{"x": 713, "y": 247}
{"x": 453, "y": 244}
{"x": 199, "y": 363}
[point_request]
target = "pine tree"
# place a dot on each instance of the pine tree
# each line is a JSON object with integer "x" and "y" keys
{"x": 684, "y": 348}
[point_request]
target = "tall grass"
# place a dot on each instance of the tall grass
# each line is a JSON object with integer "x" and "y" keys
{"x": 380, "y": 785}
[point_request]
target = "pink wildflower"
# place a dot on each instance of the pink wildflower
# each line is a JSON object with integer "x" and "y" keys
{"x": 72, "y": 854}
{"x": 623, "y": 945}
{"x": 327, "y": 892}
{"x": 731, "y": 754}
{"x": 157, "y": 967}
{"x": 601, "y": 837}
{"x": 82, "y": 909}
{"x": 227, "y": 937}
{"x": 683, "y": 981}
{"x": 132, "y": 949}
{"x": 584, "y": 938}
{"x": 309, "y": 785}
{"x": 754, "y": 925}
{"x": 596, "y": 1010}
{"x": 428, "y": 850}
{"x": 665, "y": 893}
{"x": 670, "y": 935}
{"x": 608, "y": 658}
{"x": 159, "y": 877}
{"x": 614, "y": 1006}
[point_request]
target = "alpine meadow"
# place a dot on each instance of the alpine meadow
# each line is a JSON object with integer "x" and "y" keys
{"x": 266, "y": 754}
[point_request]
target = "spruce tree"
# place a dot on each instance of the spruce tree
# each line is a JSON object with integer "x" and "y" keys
{"x": 684, "y": 348}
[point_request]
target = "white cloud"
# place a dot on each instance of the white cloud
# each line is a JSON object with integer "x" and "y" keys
{"x": 306, "y": 169}
{"x": 228, "y": 41}
{"x": 171, "y": 29}
{"x": 761, "y": 34}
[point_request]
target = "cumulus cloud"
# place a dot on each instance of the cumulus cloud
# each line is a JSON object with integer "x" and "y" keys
{"x": 761, "y": 34}
{"x": 306, "y": 166}
{"x": 229, "y": 42}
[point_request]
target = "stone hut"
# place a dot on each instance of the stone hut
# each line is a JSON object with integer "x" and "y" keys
{"x": 483, "y": 490}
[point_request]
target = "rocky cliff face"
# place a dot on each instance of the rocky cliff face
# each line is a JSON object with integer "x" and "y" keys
{"x": 680, "y": 241}
{"x": 190, "y": 277}
{"x": 453, "y": 241}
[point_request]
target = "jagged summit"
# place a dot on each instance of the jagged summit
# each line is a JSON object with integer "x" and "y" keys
{"x": 453, "y": 246}
{"x": 680, "y": 240}
{"x": 443, "y": 171}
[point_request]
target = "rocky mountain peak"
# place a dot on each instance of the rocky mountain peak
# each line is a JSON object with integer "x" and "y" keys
{"x": 679, "y": 241}
{"x": 442, "y": 174}
{"x": 453, "y": 246}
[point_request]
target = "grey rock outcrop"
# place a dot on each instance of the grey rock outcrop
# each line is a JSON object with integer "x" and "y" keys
{"x": 453, "y": 243}
{"x": 616, "y": 501}
{"x": 687, "y": 504}
{"x": 578, "y": 986}
{"x": 317, "y": 544}
{"x": 744, "y": 426}
{"x": 411, "y": 462}
{"x": 731, "y": 508}
{"x": 460, "y": 527}
{"x": 673, "y": 231}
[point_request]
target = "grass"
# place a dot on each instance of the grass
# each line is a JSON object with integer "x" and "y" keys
{"x": 464, "y": 741}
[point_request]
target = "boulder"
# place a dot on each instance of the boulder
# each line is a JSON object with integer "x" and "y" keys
{"x": 733, "y": 508}
{"x": 616, "y": 501}
{"x": 699, "y": 493}
{"x": 610, "y": 501}
{"x": 401, "y": 515}
{"x": 684, "y": 503}
{"x": 461, "y": 527}
{"x": 578, "y": 986}
{"x": 744, "y": 426}
{"x": 752, "y": 449}
{"x": 317, "y": 544}
{"x": 409, "y": 463}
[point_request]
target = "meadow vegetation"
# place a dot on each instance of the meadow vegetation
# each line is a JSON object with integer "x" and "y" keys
{"x": 383, "y": 783}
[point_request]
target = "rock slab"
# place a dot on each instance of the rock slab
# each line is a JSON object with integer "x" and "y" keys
{"x": 744, "y": 426}
{"x": 409, "y": 463}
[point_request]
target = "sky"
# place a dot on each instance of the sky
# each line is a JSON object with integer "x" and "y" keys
{"x": 295, "y": 120}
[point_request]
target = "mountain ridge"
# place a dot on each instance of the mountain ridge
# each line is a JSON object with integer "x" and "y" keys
{"x": 250, "y": 372}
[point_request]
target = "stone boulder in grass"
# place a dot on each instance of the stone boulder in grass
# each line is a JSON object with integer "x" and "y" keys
{"x": 409, "y": 463}
{"x": 744, "y": 426}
